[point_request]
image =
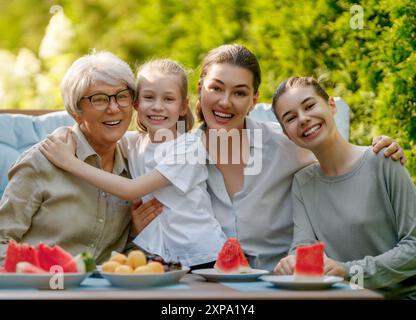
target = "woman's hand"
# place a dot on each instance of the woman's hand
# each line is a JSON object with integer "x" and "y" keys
{"x": 286, "y": 266}
{"x": 333, "y": 268}
{"x": 394, "y": 150}
{"x": 143, "y": 214}
{"x": 59, "y": 153}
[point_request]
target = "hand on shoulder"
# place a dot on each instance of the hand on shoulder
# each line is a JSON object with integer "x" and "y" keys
{"x": 393, "y": 149}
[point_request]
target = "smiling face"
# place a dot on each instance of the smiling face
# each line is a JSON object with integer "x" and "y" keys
{"x": 226, "y": 96}
{"x": 307, "y": 118}
{"x": 160, "y": 102}
{"x": 103, "y": 129}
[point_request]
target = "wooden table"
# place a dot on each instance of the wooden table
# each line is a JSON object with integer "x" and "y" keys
{"x": 196, "y": 289}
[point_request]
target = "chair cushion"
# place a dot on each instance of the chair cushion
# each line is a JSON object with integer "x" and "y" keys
{"x": 19, "y": 132}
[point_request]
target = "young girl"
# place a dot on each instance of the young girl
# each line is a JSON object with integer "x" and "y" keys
{"x": 361, "y": 205}
{"x": 158, "y": 158}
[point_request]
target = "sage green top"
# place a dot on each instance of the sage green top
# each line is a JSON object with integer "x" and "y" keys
{"x": 43, "y": 203}
{"x": 365, "y": 218}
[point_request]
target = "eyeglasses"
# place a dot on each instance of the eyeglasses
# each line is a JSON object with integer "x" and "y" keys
{"x": 101, "y": 101}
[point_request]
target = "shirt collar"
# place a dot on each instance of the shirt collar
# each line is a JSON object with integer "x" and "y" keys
{"x": 251, "y": 125}
{"x": 84, "y": 151}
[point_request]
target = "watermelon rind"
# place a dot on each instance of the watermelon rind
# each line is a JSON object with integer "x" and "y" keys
{"x": 27, "y": 267}
{"x": 89, "y": 262}
{"x": 79, "y": 262}
{"x": 84, "y": 262}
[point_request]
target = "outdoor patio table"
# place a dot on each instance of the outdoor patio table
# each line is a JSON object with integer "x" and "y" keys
{"x": 190, "y": 287}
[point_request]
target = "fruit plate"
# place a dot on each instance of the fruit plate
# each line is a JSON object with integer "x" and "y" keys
{"x": 145, "y": 280}
{"x": 216, "y": 276}
{"x": 289, "y": 282}
{"x": 41, "y": 281}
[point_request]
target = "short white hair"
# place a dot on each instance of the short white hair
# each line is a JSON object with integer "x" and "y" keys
{"x": 89, "y": 69}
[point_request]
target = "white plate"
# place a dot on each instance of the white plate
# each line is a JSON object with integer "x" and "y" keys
{"x": 40, "y": 281}
{"x": 145, "y": 280}
{"x": 291, "y": 283}
{"x": 214, "y": 275}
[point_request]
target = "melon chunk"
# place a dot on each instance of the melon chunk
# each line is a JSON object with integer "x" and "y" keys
{"x": 309, "y": 262}
{"x": 19, "y": 252}
{"x": 231, "y": 258}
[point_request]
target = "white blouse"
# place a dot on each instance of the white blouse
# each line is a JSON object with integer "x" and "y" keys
{"x": 260, "y": 215}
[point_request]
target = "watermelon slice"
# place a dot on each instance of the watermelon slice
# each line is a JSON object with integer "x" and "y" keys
{"x": 19, "y": 252}
{"x": 26, "y": 267}
{"x": 231, "y": 258}
{"x": 56, "y": 256}
{"x": 309, "y": 262}
{"x": 42, "y": 258}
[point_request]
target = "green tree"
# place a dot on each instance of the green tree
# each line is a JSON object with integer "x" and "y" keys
{"x": 373, "y": 68}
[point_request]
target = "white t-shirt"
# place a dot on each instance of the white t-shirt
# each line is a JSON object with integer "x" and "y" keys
{"x": 187, "y": 229}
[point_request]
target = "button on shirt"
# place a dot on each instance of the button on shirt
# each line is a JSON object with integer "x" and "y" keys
{"x": 260, "y": 215}
{"x": 43, "y": 203}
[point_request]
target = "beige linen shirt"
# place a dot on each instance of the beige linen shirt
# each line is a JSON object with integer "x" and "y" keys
{"x": 43, "y": 203}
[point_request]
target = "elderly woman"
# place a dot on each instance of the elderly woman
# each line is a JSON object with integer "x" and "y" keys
{"x": 44, "y": 203}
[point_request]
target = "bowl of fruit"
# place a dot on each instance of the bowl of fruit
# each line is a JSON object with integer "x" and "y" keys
{"x": 138, "y": 269}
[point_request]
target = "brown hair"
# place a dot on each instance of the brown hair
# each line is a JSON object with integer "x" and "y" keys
{"x": 296, "y": 82}
{"x": 236, "y": 55}
{"x": 167, "y": 67}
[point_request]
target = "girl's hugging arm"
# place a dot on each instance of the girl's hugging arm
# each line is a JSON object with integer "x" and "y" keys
{"x": 63, "y": 156}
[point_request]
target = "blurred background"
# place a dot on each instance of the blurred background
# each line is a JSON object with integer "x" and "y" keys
{"x": 365, "y": 55}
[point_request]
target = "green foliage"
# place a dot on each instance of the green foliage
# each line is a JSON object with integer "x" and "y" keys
{"x": 372, "y": 68}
